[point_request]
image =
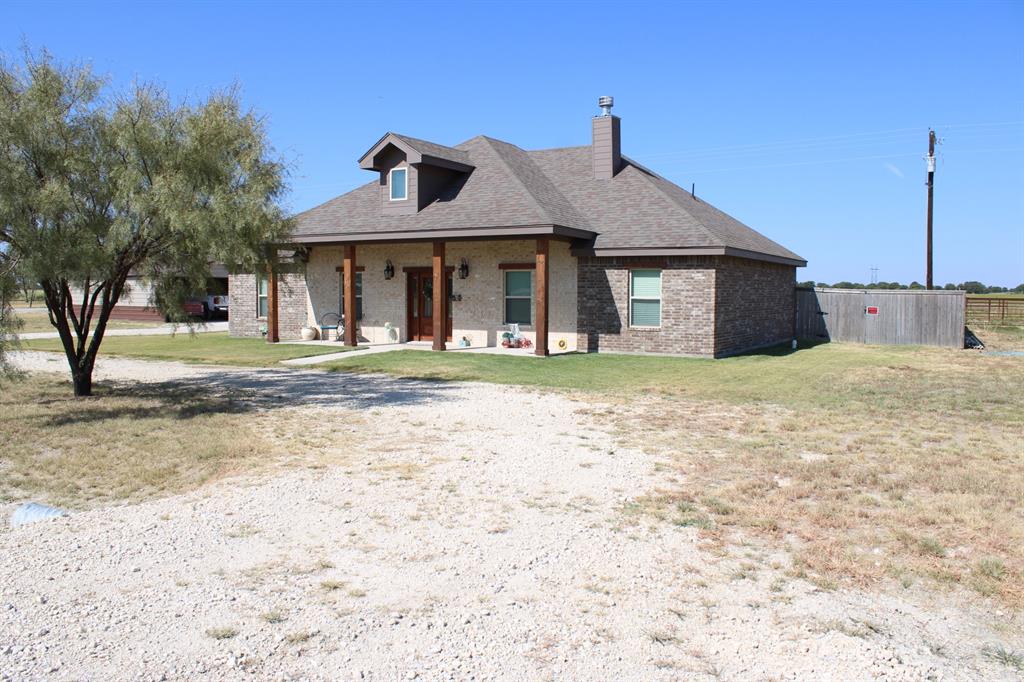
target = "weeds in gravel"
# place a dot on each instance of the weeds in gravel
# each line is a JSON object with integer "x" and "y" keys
{"x": 332, "y": 585}
{"x": 1000, "y": 654}
{"x": 931, "y": 546}
{"x": 273, "y": 617}
{"x": 243, "y": 530}
{"x": 662, "y": 637}
{"x": 991, "y": 568}
{"x": 298, "y": 637}
{"x": 222, "y": 633}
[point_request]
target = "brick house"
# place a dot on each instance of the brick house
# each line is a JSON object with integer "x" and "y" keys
{"x": 581, "y": 247}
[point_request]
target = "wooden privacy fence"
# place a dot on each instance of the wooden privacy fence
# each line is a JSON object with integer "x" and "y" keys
{"x": 995, "y": 310}
{"x": 930, "y": 318}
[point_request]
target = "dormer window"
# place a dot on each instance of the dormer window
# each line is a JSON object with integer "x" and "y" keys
{"x": 398, "y": 181}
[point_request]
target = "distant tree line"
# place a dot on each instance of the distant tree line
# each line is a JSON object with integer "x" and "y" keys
{"x": 970, "y": 287}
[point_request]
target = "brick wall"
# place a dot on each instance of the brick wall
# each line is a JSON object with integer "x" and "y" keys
{"x": 711, "y": 305}
{"x": 687, "y": 306}
{"x": 754, "y": 304}
{"x": 292, "y": 306}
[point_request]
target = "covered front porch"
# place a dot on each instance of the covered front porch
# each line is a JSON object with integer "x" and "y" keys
{"x": 400, "y": 291}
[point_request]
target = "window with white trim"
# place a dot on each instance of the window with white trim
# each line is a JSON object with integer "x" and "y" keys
{"x": 261, "y": 295}
{"x": 518, "y": 296}
{"x": 645, "y": 298}
{"x": 359, "y": 294}
{"x": 398, "y": 182}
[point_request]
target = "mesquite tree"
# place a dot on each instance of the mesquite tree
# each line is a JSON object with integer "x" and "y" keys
{"x": 94, "y": 187}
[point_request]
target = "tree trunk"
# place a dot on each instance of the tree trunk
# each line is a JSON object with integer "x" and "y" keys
{"x": 82, "y": 379}
{"x": 79, "y": 348}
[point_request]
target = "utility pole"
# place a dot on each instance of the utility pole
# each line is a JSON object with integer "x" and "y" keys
{"x": 931, "y": 189}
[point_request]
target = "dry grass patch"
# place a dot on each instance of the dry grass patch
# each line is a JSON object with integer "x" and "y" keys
{"x": 127, "y": 443}
{"x": 916, "y": 477}
{"x": 222, "y": 633}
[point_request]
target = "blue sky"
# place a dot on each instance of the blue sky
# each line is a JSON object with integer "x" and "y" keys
{"x": 806, "y": 121}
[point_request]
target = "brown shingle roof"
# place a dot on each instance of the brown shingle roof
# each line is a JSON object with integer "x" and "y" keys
{"x": 510, "y": 188}
{"x": 436, "y": 150}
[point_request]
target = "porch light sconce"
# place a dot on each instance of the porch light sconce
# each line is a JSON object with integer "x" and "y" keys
{"x": 389, "y": 269}
{"x": 463, "y": 269}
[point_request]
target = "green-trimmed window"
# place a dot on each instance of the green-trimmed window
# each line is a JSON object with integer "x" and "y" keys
{"x": 359, "y": 294}
{"x": 518, "y": 296}
{"x": 261, "y": 295}
{"x": 645, "y": 298}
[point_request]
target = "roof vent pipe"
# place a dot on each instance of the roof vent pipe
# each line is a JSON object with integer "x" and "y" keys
{"x": 606, "y": 102}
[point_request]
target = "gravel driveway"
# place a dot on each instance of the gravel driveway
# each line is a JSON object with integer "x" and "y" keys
{"x": 462, "y": 531}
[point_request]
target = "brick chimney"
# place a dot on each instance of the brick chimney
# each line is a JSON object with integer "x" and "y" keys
{"x": 605, "y": 147}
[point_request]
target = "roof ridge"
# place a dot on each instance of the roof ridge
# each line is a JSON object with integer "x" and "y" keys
{"x": 537, "y": 204}
{"x": 650, "y": 175}
{"x": 567, "y": 208}
{"x": 413, "y": 140}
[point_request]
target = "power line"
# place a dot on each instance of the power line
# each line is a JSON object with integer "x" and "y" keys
{"x": 850, "y": 138}
{"x": 840, "y": 160}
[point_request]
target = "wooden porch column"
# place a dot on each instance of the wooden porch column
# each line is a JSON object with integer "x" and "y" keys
{"x": 541, "y": 296}
{"x": 440, "y": 299}
{"x": 349, "y": 275}
{"x": 273, "y": 335}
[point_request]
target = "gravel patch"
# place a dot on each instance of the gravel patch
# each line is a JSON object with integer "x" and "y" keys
{"x": 467, "y": 531}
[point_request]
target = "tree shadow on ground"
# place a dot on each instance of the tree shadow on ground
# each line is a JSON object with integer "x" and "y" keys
{"x": 235, "y": 391}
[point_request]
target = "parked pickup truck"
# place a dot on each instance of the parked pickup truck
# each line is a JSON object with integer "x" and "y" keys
{"x": 208, "y": 307}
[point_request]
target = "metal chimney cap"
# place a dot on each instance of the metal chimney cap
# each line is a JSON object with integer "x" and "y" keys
{"x": 606, "y": 102}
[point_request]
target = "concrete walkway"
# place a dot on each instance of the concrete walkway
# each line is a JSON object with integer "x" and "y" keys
{"x": 205, "y": 327}
{"x": 388, "y": 347}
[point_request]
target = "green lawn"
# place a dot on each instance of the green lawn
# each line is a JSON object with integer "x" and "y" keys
{"x": 827, "y": 375}
{"x": 208, "y": 348}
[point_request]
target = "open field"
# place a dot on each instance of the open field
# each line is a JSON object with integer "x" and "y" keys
{"x": 841, "y": 511}
{"x": 208, "y": 348}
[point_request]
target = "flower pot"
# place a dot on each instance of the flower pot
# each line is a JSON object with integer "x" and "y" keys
{"x": 308, "y": 334}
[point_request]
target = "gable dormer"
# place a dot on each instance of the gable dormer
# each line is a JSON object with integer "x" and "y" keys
{"x": 413, "y": 172}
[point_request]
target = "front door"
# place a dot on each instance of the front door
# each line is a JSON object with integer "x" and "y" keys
{"x": 420, "y": 303}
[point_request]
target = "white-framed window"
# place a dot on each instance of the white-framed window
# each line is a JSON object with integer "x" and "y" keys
{"x": 398, "y": 183}
{"x": 645, "y": 298}
{"x": 261, "y": 295}
{"x": 519, "y": 296}
{"x": 359, "y": 294}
